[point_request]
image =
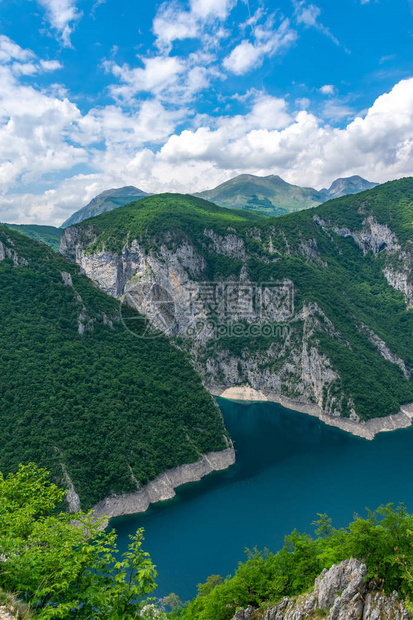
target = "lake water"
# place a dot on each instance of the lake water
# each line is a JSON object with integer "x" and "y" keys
{"x": 289, "y": 468}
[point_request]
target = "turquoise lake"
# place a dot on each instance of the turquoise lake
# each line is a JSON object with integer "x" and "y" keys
{"x": 289, "y": 468}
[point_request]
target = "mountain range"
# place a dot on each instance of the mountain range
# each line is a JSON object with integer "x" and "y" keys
{"x": 335, "y": 284}
{"x": 274, "y": 196}
{"x": 270, "y": 195}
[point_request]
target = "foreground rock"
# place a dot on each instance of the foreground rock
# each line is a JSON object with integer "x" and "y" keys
{"x": 340, "y": 593}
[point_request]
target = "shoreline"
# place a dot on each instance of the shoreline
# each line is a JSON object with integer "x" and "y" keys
{"x": 366, "y": 430}
{"x": 163, "y": 487}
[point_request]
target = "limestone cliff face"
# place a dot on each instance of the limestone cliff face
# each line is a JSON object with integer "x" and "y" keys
{"x": 167, "y": 286}
{"x": 7, "y": 251}
{"x": 378, "y": 238}
{"x": 340, "y": 593}
{"x": 169, "y": 282}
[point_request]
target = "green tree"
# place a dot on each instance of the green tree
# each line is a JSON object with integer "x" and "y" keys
{"x": 66, "y": 565}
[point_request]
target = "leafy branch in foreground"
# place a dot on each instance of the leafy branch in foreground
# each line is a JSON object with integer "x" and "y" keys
{"x": 65, "y": 565}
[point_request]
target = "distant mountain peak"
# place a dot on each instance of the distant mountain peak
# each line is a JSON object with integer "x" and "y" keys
{"x": 106, "y": 201}
{"x": 348, "y": 185}
{"x": 275, "y": 196}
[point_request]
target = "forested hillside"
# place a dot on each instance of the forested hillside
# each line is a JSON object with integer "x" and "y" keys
{"x": 348, "y": 264}
{"x": 47, "y": 234}
{"x": 79, "y": 392}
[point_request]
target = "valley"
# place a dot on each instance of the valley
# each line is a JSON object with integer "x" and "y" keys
{"x": 289, "y": 468}
{"x": 206, "y": 310}
{"x": 335, "y": 281}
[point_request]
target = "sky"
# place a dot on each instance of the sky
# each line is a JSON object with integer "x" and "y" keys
{"x": 182, "y": 95}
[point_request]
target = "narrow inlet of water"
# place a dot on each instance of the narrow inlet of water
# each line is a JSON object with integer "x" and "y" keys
{"x": 289, "y": 468}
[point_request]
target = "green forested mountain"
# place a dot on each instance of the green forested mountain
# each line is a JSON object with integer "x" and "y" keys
{"x": 271, "y": 195}
{"x": 157, "y": 217}
{"x": 79, "y": 391}
{"x": 106, "y": 201}
{"x": 47, "y": 234}
{"x": 274, "y": 196}
{"x": 348, "y": 345}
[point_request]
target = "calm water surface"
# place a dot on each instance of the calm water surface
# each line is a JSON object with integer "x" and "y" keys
{"x": 289, "y": 468}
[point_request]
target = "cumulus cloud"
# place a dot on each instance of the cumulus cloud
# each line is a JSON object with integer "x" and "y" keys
{"x": 172, "y": 22}
{"x": 306, "y": 150}
{"x": 157, "y": 75}
{"x": 327, "y": 89}
{"x": 215, "y": 8}
{"x": 62, "y": 15}
{"x": 268, "y": 41}
{"x": 9, "y": 50}
{"x": 44, "y": 137}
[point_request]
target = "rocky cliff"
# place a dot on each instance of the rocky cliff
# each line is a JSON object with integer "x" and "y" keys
{"x": 165, "y": 286}
{"x": 293, "y": 307}
{"x": 163, "y": 487}
{"x": 340, "y": 593}
{"x": 108, "y": 412}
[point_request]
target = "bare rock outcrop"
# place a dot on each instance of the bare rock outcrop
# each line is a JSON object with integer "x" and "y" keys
{"x": 341, "y": 593}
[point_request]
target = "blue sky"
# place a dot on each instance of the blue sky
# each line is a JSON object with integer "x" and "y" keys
{"x": 182, "y": 95}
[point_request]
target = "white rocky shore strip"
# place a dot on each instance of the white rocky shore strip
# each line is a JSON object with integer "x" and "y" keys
{"x": 163, "y": 487}
{"x": 367, "y": 430}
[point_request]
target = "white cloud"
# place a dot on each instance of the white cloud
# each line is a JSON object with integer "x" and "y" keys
{"x": 303, "y": 103}
{"x": 44, "y": 137}
{"x": 62, "y": 15}
{"x": 378, "y": 146}
{"x": 308, "y": 14}
{"x": 172, "y": 24}
{"x": 23, "y": 61}
{"x": 158, "y": 74}
{"x": 243, "y": 58}
{"x": 336, "y": 110}
{"x": 9, "y": 50}
{"x": 327, "y": 89}
{"x": 268, "y": 42}
{"x": 50, "y": 65}
{"x": 202, "y": 20}
{"x": 212, "y": 8}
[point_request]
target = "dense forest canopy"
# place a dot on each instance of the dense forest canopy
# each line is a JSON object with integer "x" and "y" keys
{"x": 78, "y": 390}
{"x": 316, "y": 250}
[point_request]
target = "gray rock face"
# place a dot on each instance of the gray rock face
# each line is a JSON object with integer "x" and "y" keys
{"x": 348, "y": 579}
{"x": 168, "y": 286}
{"x": 402, "y": 278}
{"x": 228, "y": 245}
{"x": 340, "y": 593}
{"x": 385, "y": 351}
{"x": 244, "y": 614}
{"x": 373, "y": 236}
{"x": 163, "y": 487}
{"x": 7, "y": 252}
